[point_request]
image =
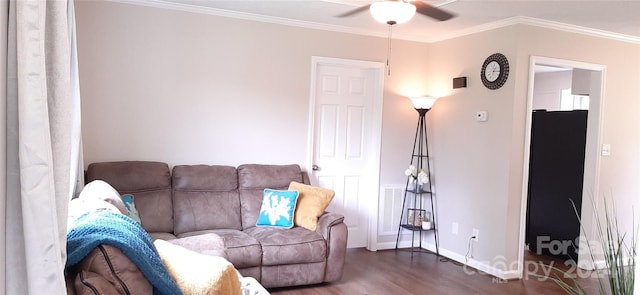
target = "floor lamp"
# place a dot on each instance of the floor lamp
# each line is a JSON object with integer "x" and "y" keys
{"x": 420, "y": 155}
{"x": 419, "y": 175}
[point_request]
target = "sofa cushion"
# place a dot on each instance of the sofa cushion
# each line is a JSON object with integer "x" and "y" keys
{"x": 205, "y": 198}
{"x": 150, "y": 182}
{"x": 162, "y": 236}
{"x": 206, "y": 243}
{"x": 312, "y": 202}
{"x": 254, "y": 178}
{"x": 268, "y": 176}
{"x": 289, "y": 246}
{"x": 239, "y": 248}
{"x": 277, "y": 208}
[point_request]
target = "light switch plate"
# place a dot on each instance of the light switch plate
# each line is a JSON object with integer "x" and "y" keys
{"x": 606, "y": 149}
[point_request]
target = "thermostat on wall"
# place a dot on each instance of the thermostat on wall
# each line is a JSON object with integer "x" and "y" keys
{"x": 482, "y": 116}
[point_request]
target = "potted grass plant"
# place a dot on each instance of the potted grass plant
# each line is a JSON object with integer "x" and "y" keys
{"x": 426, "y": 221}
{"x": 619, "y": 250}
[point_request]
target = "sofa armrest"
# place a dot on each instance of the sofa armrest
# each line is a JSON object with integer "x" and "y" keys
{"x": 107, "y": 269}
{"x": 326, "y": 221}
{"x": 331, "y": 226}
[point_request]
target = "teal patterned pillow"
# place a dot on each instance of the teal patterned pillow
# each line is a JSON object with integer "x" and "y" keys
{"x": 131, "y": 207}
{"x": 277, "y": 208}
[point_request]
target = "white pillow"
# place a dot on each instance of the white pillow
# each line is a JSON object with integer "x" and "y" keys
{"x": 100, "y": 190}
{"x": 80, "y": 206}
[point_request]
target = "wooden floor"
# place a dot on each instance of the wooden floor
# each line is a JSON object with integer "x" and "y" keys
{"x": 396, "y": 272}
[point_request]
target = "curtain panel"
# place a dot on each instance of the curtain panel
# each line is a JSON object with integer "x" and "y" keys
{"x": 42, "y": 144}
{"x": 4, "y": 29}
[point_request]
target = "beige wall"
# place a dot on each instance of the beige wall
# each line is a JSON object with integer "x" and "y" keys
{"x": 479, "y": 166}
{"x": 618, "y": 175}
{"x": 190, "y": 88}
{"x": 472, "y": 163}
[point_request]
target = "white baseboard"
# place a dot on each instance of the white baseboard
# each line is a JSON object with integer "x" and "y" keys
{"x": 471, "y": 266}
{"x": 401, "y": 244}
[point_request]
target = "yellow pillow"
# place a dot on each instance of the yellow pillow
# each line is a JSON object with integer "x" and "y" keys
{"x": 312, "y": 201}
{"x": 198, "y": 274}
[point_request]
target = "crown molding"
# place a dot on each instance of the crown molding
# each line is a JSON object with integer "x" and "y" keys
{"x": 536, "y": 22}
{"x": 257, "y": 17}
{"x": 342, "y": 29}
{"x": 578, "y": 29}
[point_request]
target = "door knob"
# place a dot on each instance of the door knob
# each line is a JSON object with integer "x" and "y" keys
{"x": 315, "y": 168}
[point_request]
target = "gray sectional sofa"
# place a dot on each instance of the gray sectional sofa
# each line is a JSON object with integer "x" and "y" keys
{"x": 213, "y": 210}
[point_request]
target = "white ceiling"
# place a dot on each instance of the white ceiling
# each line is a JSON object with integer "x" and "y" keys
{"x": 605, "y": 18}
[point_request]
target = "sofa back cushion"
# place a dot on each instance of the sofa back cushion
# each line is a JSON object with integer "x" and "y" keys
{"x": 205, "y": 198}
{"x": 254, "y": 178}
{"x": 148, "y": 182}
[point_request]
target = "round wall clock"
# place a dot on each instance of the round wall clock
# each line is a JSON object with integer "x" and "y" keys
{"x": 495, "y": 71}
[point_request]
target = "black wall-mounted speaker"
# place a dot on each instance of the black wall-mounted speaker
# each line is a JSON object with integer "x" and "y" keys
{"x": 460, "y": 82}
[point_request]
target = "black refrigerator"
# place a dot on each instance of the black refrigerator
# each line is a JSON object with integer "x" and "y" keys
{"x": 556, "y": 172}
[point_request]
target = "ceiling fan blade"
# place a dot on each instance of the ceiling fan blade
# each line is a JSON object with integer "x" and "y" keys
{"x": 354, "y": 11}
{"x": 432, "y": 11}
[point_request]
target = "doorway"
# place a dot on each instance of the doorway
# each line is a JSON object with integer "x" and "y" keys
{"x": 594, "y": 77}
{"x": 344, "y": 145}
{"x": 556, "y": 172}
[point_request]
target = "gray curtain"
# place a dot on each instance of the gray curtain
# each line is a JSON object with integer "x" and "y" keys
{"x": 42, "y": 107}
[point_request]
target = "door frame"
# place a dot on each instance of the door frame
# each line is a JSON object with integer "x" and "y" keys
{"x": 592, "y": 152}
{"x": 376, "y": 130}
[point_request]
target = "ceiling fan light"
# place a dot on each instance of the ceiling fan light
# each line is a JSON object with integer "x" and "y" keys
{"x": 392, "y": 11}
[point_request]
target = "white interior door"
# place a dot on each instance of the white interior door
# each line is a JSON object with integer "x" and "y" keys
{"x": 346, "y": 110}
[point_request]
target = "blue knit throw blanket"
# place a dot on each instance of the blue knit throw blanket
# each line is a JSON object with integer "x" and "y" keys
{"x": 110, "y": 228}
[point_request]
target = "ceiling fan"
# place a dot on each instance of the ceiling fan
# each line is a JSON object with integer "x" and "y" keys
{"x": 394, "y": 12}
{"x": 398, "y": 11}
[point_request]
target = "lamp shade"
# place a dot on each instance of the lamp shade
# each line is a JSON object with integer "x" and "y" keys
{"x": 423, "y": 102}
{"x": 392, "y": 12}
